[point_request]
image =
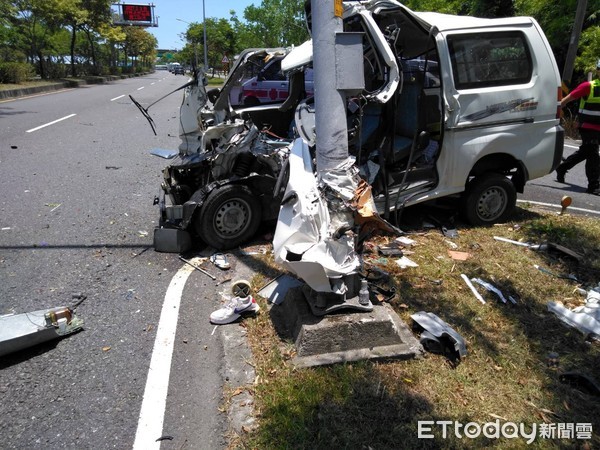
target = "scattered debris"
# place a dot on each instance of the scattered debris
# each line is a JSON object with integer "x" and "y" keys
{"x": 459, "y": 256}
{"x": 405, "y": 262}
{"x": 392, "y": 250}
{"x": 405, "y": 241}
{"x": 241, "y": 288}
{"x": 490, "y": 287}
{"x": 566, "y": 277}
{"x": 565, "y": 202}
{"x": 197, "y": 268}
{"x": 437, "y": 335}
{"x": 112, "y": 168}
{"x": 166, "y": 437}
{"x": 584, "y": 318}
{"x": 548, "y": 246}
{"x": 164, "y": 153}
{"x": 470, "y": 285}
{"x": 20, "y": 331}
{"x": 220, "y": 260}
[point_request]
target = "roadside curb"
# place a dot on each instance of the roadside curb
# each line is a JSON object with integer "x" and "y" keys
{"x": 66, "y": 84}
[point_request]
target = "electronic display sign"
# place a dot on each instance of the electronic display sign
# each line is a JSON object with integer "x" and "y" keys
{"x": 137, "y": 13}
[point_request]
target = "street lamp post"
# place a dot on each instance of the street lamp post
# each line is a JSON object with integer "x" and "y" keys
{"x": 204, "y": 29}
{"x": 204, "y": 33}
{"x": 195, "y": 46}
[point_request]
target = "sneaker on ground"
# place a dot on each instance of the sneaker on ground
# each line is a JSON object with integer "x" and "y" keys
{"x": 234, "y": 309}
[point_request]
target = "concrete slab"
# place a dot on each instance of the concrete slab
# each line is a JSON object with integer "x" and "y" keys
{"x": 342, "y": 337}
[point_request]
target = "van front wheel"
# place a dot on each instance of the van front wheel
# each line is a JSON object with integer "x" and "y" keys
{"x": 489, "y": 199}
{"x": 229, "y": 217}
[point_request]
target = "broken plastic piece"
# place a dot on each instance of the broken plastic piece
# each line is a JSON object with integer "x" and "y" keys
{"x": 441, "y": 331}
{"x": 586, "y": 318}
{"x": 405, "y": 262}
{"x": 473, "y": 290}
{"x": 546, "y": 271}
{"x": 490, "y": 287}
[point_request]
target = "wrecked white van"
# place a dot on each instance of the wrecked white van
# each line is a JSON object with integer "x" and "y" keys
{"x": 452, "y": 106}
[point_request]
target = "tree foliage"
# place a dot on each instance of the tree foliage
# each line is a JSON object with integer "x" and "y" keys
{"x": 50, "y": 33}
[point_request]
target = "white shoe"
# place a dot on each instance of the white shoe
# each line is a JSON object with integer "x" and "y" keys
{"x": 234, "y": 309}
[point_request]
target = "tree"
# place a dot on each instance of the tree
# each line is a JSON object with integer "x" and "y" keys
{"x": 277, "y": 23}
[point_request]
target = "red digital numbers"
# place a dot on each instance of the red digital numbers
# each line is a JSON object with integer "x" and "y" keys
{"x": 137, "y": 13}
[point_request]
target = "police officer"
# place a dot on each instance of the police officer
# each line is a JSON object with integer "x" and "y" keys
{"x": 588, "y": 94}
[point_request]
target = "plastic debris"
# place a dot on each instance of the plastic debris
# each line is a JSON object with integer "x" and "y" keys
{"x": 557, "y": 275}
{"x": 473, "y": 290}
{"x": 276, "y": 290}
{"x": 584, "y": 318}
{"x": 459, "y": 256}
{"x": 405, "y": 262}
{"x": 438, "y": 334}
{"x": 490, "y": 287}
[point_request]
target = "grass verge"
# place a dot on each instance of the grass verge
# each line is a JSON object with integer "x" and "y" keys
{"x": 505, "y": 377}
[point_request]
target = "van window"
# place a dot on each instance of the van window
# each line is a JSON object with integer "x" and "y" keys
{"x": 490, "y": 59}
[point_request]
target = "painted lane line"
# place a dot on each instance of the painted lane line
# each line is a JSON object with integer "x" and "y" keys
{"x": 574, "y": 208}
{"x": 50, "y": 123}
{"x": 152, "y": 413}
{"x": 140, "y": 88}
{"x": 117, "y": 98}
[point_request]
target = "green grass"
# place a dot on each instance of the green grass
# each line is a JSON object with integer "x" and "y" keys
{"x": 504, "y": 377}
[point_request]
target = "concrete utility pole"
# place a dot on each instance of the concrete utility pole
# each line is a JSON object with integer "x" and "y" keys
{"x": 573, "y": 43}
{"x": 330, "y": 109}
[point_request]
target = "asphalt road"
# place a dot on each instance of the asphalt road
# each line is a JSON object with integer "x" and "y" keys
{"x": 547, "y": 193}
{"x": 76, "y": 217}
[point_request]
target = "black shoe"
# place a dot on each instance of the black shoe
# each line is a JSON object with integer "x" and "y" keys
{"x": 560, "y": 175}
{"x": 593, "y": 191}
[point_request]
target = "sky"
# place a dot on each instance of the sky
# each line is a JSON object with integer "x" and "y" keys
{"x": 168, "y": 11}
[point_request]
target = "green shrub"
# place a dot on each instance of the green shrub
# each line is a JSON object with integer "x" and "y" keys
{"x": 15, "y": 72}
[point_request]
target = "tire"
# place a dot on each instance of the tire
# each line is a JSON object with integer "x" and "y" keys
{"x": 229, "y": 217}
{"x": 489, "y": 199}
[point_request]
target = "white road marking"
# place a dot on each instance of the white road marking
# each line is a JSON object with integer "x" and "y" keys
{"x": 117, "y": 98}
{"x": 152, "y": 413}
{"x": 50, "y": 123}
{"x": 571, "y": 146}
{"x": 140, "y": 88}
{"x": 589, "y": 211}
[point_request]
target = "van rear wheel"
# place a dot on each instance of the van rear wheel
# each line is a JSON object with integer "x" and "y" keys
{"x": 489, "y": 199}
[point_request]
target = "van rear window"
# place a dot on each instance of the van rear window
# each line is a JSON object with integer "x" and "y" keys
{"x": 490, "y": 59}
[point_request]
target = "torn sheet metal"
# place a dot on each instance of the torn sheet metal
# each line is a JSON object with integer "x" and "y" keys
{"x": 436, "y": 332}
{"x": 584, "y": 318}
{"x": 21, "y": 331}
{"x": 308, "y": 240}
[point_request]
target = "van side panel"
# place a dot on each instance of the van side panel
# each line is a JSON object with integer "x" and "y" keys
{"x": 496, "y": 102}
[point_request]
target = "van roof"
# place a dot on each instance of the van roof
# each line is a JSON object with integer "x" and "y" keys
{"x": 446, "y": 22}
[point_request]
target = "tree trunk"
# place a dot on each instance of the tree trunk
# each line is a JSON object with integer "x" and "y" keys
{"x": 73, "y": 36}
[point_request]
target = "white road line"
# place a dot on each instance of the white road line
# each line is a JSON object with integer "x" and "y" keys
{"x": 50, "y": 123}
{"x": 571, "y": 146}
{"x": 140, "y": 88}
{"x": 117, "y": 98}
{"x": 560, "y": 207}
{"x": 152, "y": 413}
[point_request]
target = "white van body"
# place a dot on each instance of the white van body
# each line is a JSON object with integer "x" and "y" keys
{"x": 479, "y": 121}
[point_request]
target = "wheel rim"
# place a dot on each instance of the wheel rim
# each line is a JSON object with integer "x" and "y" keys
{"x": 492, "y": 203}
{"x": 232, "y": 218}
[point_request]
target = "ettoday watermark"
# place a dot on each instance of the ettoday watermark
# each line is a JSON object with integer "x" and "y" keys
{"x": 508, "y": 430}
